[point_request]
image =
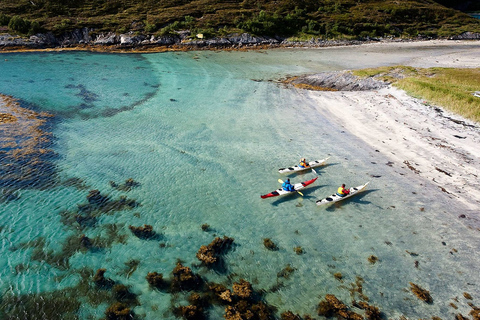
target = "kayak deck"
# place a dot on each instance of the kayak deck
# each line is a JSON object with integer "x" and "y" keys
{"x": 311, "y": 164}
{"x": 335, "y": 197}
{"x": 281, "y": 192}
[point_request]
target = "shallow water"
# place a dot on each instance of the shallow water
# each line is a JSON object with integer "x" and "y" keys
{"x": 203, "y": 134}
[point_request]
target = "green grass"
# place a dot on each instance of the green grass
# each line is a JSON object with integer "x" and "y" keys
{"x": 449, "y": 88}
{"x": 326, "y": 19}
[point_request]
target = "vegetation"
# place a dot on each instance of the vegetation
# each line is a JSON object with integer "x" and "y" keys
{"x": 447, "y": 87}
{"x": 325, "y": 19}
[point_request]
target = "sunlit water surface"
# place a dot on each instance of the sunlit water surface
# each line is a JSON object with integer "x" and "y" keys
{"x": 203, "y": 134}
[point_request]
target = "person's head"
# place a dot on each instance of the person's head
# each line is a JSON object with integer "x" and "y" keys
{"x": 288, "y": 180}
{"x": 343, "y": 185}
{"x": 303, "y": 159}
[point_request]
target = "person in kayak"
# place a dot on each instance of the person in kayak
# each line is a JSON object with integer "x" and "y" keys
{"x": 303, "y": 163}
{"x": 342, "y": 192}
{"x": 287, "y": 186}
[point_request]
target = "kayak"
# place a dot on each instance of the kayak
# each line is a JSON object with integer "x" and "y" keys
{"x": 311, "y": 164}
{"x": 335, "y": 197}
{"x": 281, "y": 192}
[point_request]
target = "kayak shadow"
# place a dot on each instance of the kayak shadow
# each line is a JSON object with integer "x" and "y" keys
{"x": 354, "y": 199}
{"x": 307, "y": 194}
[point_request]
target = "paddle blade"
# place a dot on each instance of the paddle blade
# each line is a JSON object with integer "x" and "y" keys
{"x": 300, "y": 193}
{"x": 280, "y": 180}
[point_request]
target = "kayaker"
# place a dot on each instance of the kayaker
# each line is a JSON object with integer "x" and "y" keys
{"x": 342, "y": 192}
{"x": 287, "y": 186}
{"x": 303, "y": 163}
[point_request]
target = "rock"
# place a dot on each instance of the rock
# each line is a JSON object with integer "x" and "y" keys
{"x": 466, "y": 36}
{"x": 337, "y": 81}
{"x": 109, "y": 38}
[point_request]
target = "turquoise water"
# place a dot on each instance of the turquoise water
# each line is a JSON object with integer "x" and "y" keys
{"x": 203, "y": 133}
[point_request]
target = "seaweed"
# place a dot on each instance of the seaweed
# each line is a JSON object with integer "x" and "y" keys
{"x": 156, "y": 280}
{"x": 100, "y": 280}
{"x": 332, "y": 306}
{"x": 126, "y": 186}
{"x": 289, "y": 315}
{"x": 371, "y": 312}
{"x": 299, "y": 250}
{"x": 119, "y": 311}
{"x": 184, "y": 279}
{"x": 467, "y": 296}
{"x": 269, "y": 244}
{"x": 242, "y": 289}
{"x": 286, "y": 272}
{"x": 211, "y": 254}
{"x": 60, "y": 304}
{"x": 145, "y": 232}
{"x": 372, "y": 259}
{"x": 338, "y": 275}
{"x": 421, "y": 293}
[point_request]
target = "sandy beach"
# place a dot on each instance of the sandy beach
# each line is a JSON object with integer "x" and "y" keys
{"x": 420, "y": 139}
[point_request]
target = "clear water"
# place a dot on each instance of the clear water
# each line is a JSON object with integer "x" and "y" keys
{"x": 203, "y": 134}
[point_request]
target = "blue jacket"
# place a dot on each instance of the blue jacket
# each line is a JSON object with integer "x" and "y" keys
{"x": 287, "y": 186}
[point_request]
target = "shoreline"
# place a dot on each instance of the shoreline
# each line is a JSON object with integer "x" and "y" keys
{"x": 421, "y": 140}
{"x": 243, "y": 42}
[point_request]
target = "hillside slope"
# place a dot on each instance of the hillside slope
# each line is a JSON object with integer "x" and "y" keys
{"x": 326, "y": 19}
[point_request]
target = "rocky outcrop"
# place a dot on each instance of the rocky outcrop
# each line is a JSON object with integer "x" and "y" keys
{"x": 337, "y": 81}
{"x": 466, "y": 36}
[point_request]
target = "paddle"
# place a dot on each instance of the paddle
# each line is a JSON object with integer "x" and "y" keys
{"x": 281, "y": 181}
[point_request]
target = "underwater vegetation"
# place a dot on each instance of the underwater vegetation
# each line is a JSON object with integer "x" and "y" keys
{"x": 421, "y": 293}
{"x": 211, "y": 254}
{"x": 331, "y": 306}
{"x": 118, "y": 311}
{"x": 126, "y": 186}
{"x": 145, "y": 232}
{"x": 269, "y": 244}
{"x": 27, "y": 157}
{"x": 372, "y": 259}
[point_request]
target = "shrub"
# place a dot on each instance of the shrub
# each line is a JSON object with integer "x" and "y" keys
{"x": 18, "y": 24}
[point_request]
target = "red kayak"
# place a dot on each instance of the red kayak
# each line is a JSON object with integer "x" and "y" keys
{"x": 281, "y": 192}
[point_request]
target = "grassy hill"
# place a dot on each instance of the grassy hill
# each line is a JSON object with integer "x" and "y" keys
{"x": 327, "y": 19}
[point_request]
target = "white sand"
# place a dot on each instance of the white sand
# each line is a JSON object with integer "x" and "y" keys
{"x": 415, "y": 136}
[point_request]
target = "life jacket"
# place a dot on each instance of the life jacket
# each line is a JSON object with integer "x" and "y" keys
{"x": 287, "y": 186}
{"x": 303, "y": 164}
{"x": 341, "y": 190}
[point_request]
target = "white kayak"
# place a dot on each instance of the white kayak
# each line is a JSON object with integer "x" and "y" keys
{"x": 335, "y": 197}
{"x": 311, "y": 164}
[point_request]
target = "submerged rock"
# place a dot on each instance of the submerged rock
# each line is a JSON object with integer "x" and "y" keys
{"x": 336, "y": 81}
